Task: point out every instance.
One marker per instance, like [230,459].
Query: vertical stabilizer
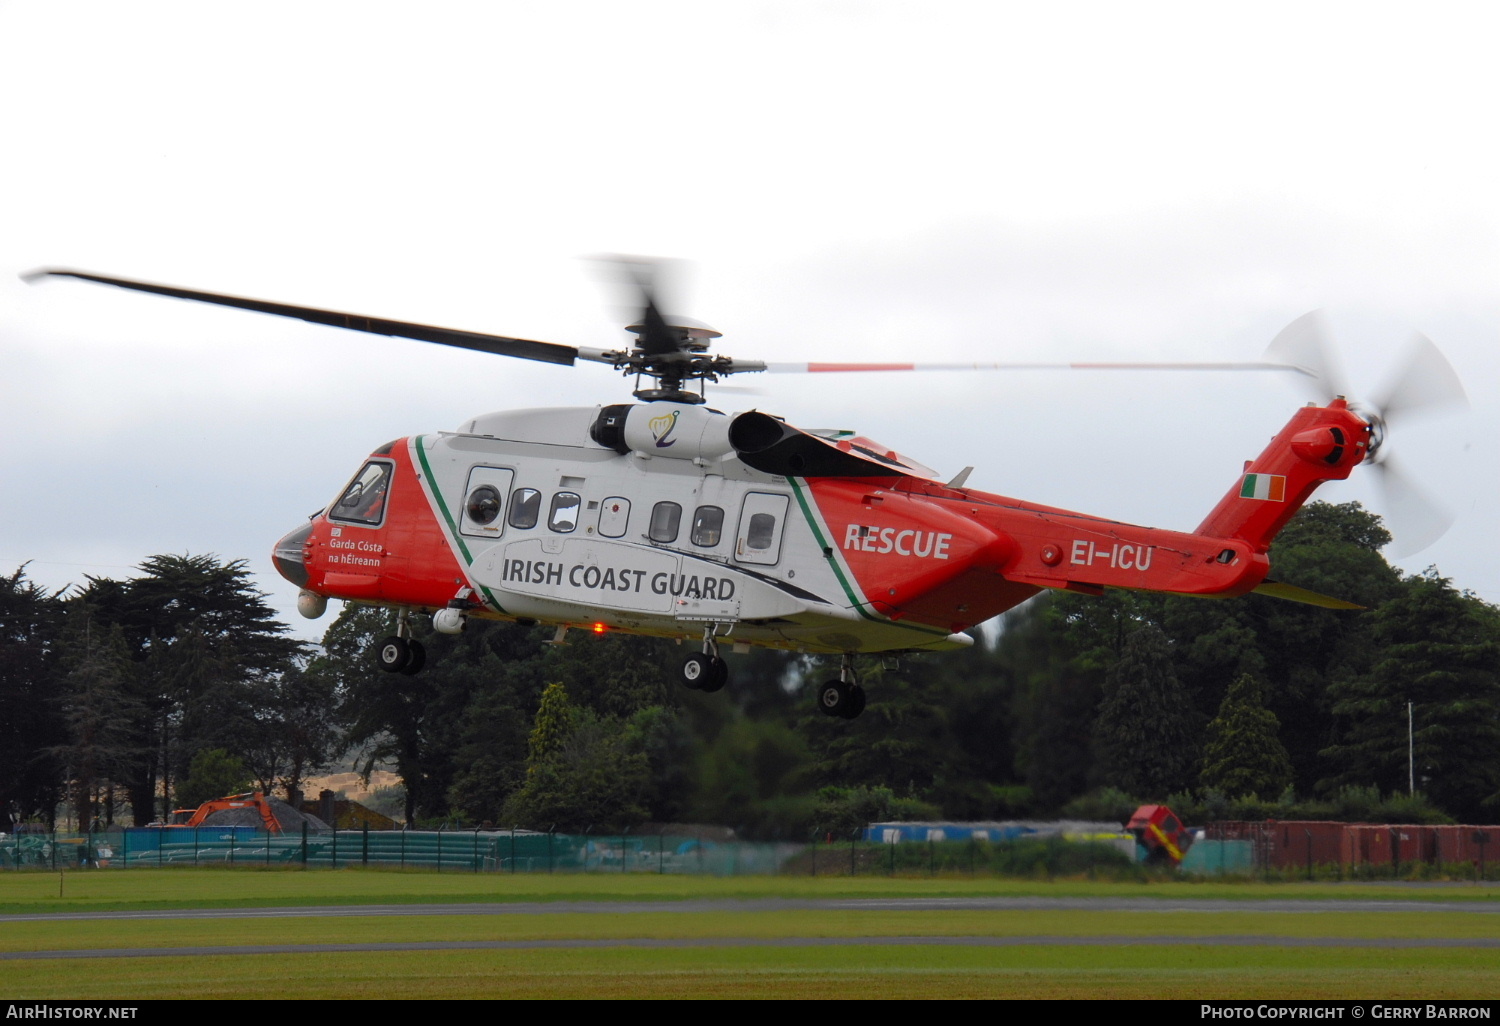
[1319,443]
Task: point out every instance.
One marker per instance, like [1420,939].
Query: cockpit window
[363,502]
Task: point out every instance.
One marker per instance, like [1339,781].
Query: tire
[416,658]
[697,671]
[833,698]
[718,675]
[392,654]
[856,702]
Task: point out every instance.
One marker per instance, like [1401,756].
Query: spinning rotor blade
[823,368]
[498,345]
[1422,520]
[1424,381]
[1304,344]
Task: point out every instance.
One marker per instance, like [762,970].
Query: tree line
[1079,705]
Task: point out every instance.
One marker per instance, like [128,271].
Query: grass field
[739,951]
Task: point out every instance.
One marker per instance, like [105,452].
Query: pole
[1411,764]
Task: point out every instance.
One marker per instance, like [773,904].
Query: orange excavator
[249,800]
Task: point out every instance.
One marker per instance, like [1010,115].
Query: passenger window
[762,531]
[666,517]
[614,513]
[525,507]
[363,502]
[708,526]
[563,516]
[762,520]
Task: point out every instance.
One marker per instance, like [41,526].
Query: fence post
[364,844]
[335,845]
[815,854]
[512,847]
[476,849]
[403,845]
[304,844]
[232,833]
[1308,832]
[549,848]
[623,859]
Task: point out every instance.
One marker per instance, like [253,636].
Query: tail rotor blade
[1425,381]
[1304,344]
[1417,518]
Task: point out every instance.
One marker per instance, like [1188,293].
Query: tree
[1148,731]
[213,773]
[98,711]
[582,770]
[1242,754]
[208,652]
[1436,648]
[30,721]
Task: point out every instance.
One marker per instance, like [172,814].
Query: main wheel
[834,698]
[718,675]
[393,654]
[856,702]
[416,658]
[698,672]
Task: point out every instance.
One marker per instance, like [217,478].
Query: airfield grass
[1262,969]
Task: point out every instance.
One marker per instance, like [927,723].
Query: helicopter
[666,517]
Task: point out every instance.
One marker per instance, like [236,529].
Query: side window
[666,517]
[363,502]
[563,517]
[762,521]
[525,507]
[613,516]
[484,501]
[762,531]
[708,526]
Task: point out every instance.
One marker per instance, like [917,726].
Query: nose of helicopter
[287,555]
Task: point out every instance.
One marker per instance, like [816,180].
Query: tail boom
[1319,443]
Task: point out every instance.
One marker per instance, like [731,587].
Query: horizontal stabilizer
[1292,593]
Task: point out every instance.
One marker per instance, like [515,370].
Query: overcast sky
[844,180]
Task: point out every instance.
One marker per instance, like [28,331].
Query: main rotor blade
[498,345]
[822,368]
[1425,380]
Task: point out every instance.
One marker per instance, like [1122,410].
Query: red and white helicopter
[666,517]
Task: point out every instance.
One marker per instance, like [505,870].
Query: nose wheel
[399,653]
[844,697]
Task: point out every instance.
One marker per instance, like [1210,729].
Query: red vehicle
[1161,833]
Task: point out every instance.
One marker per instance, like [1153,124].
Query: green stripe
[831,556]
[838,571]
[442,505]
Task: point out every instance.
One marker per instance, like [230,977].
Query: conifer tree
[1147,731]
[1242,754]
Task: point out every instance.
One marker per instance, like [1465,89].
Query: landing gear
[844,697]
[705,671]
[393,654]
[400,653]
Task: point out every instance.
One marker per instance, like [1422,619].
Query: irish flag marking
[1264,486]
